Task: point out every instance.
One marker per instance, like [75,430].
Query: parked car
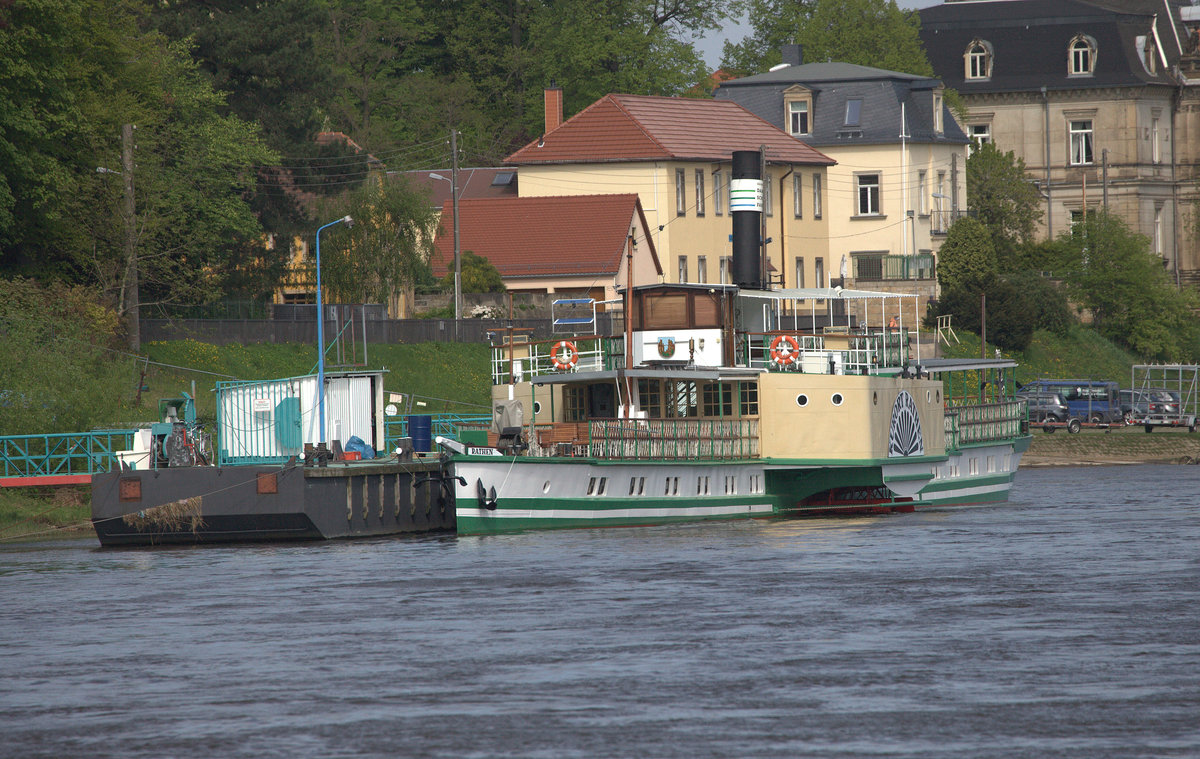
[1045,407]
[1091,401]
[1140,403]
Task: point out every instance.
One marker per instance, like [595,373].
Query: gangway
[69,458]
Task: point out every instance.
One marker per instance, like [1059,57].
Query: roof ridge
[642,127]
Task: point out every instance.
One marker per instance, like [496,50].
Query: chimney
[745,206]
[554,110]
[793,55]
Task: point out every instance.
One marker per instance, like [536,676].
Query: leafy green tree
[1003,200]
[1109,271]
[967,259]
[479,275]
[874,33]
[385,251]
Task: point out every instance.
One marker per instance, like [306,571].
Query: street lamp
[321,330]
[457,252]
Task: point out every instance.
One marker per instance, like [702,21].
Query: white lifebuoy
[564,355]
[784,354]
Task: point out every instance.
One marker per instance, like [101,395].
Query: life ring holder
[783,357]
[564,355]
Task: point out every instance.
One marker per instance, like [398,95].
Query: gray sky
[711,46]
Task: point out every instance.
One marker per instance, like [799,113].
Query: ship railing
[984,423]
[673,439]
[520,361]
[848,352]
[41,458]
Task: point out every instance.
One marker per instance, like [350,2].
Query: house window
[702,269]
[816,196]
[680,193]
[767,209]
[868,194]
[726,263]
[718,193]
[1083,56]
[980,134]
[937,112]
[797,196]
[854,112]
[799,271]
[979,60]
[1155,155]
[939,197]
[798,118]
[699,192]
[819,266]
[1081,143]
[1158,236]
[683,269]
[922,199]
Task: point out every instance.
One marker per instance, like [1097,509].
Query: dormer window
[1082,56]
[978,60]
[798,111]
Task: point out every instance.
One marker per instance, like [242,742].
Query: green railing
[444,425]
[673,439]
[985,423]
[71,453]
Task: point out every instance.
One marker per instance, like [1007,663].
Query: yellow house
[676,155]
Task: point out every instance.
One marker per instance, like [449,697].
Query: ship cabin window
[596,400]
[637,485]
[730,484]
[691,308]
[671,486]
[703,485]
[597,485]
[717,399]
[748,392]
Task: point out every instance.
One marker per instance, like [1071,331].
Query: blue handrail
[69,453]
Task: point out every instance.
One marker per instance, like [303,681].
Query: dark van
[1094,401]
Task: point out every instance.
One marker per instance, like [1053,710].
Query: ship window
[802,400]
[928,396]
[591,486]
[674,486]
[938,395]
[650,397]
[632,483]
[603,486]
[874,399]
[537,407]
[718,399]
[546,486]
[749,398]
[837,399]
[641,485]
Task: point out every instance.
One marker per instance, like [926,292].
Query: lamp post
[453,180]
[321,330]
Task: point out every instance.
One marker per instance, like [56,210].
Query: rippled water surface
[1061,624]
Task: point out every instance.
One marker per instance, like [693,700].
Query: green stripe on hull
[516,515]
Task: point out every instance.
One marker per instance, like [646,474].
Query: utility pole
[457,249]
[132,303]
[1104,175]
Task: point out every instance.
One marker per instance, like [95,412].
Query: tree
[479,275]
[1109,270]
[1003,200]
[875,33]
[967,259]
[386,249]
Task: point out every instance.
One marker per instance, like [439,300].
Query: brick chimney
[554,107]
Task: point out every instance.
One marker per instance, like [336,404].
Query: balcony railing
[985,423]
[673,439]
[885,267]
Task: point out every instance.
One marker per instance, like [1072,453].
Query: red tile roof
[472,183]
[568,236]
[649,128]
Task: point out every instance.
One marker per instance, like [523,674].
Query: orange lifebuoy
[564,355]
[784,355]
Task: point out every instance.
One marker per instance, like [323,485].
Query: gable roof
[650,128]
[1030,38]
[574,235]
[881,92]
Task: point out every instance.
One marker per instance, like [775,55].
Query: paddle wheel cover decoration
[904,438]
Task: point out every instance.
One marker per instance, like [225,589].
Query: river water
[1063,623]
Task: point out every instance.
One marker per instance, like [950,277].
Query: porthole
[938,395]
[928,395]
[546,487]
[874,399]
[802,400]
[537,407]
[837,399]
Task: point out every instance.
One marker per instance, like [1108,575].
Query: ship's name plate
[473,451]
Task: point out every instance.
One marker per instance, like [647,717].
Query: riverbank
[1130,445]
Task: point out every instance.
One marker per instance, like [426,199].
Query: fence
[379,331]
[46,459]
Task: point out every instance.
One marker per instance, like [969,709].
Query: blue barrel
[420,429]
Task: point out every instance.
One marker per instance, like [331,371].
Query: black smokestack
[745,205]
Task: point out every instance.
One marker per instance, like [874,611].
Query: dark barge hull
[189,505]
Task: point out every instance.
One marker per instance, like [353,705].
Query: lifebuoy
[784,355]
[564,355]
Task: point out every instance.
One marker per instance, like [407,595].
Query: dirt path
[1131,445]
